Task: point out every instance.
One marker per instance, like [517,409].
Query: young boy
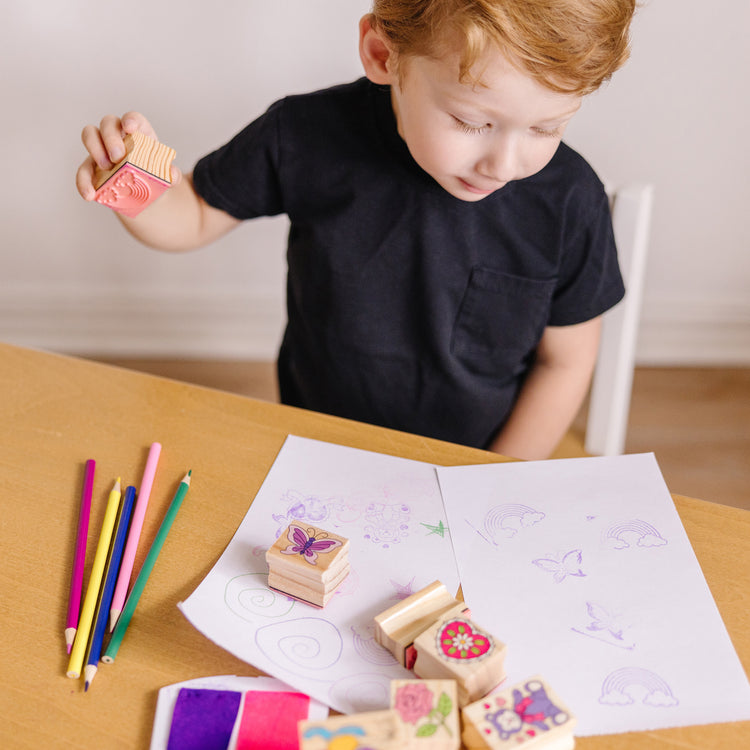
[448,257]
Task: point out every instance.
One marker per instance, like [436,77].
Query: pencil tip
[70,636]
[86,687]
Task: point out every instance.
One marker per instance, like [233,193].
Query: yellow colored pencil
[75,665]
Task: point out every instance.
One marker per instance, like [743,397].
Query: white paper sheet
[168,697]
[583,568]
[391,511]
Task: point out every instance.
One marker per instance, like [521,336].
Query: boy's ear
[376,54]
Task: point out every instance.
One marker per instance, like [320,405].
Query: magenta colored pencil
[79,562]
[134,535]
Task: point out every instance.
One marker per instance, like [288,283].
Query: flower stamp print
[413,701]
[417,704]
[461,640]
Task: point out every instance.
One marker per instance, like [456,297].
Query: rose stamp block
[428,710]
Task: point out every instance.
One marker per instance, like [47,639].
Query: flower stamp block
[527,715]
[456,648]
[428,710]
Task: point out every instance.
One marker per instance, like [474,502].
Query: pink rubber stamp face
[130,190]
[138,179]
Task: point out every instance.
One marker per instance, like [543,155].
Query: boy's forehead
[494,82]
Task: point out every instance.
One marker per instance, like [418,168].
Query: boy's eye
[547,132]
[465,127]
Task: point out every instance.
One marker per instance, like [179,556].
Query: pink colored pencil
[134,535]
[79,562]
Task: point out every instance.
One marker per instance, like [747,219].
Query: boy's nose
[500,163]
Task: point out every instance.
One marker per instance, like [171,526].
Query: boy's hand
[106,147]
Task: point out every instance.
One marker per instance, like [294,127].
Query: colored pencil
[75,664]
[79,562]
[134,535]
[148,565]
[94,651]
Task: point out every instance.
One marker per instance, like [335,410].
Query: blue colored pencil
[110,579]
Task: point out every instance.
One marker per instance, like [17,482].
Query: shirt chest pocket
[500,321]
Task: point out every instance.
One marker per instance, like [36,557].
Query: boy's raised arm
[180,219]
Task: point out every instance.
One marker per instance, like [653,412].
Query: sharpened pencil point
[89,672]
[70,636]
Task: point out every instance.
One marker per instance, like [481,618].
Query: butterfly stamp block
[308,563]
[398,626]
[456,648]
[527,715]
[428,710]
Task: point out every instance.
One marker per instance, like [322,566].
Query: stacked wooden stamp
[138,179]
[308,563]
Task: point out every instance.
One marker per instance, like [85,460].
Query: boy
[449,259]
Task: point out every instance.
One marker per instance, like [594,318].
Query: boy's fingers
[92,140]
[85,179]
[135,121]
[176,175]
[111,134]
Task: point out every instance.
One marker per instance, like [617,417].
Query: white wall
[72,280]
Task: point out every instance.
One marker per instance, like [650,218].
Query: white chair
[609,403]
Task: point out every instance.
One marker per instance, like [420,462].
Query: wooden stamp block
[457,648]
[527,715]
[397,627]
[308,563]
[376,730]
[428,710]
[138,179]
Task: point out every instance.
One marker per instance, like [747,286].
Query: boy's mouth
[478,190]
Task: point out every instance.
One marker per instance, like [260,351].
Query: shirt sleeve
[590,282]
[242,177]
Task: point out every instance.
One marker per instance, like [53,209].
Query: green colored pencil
[148,565]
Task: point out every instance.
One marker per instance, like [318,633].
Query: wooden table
[56,412]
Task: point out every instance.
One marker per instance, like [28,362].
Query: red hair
[569,46]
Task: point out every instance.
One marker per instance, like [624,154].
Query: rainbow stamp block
[428,710]
[308,563]
[137,180]
[527,715]
[456,648]
[375,730]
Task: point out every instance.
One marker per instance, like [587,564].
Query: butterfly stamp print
[305,542]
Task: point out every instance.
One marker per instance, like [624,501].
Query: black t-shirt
[407,307]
